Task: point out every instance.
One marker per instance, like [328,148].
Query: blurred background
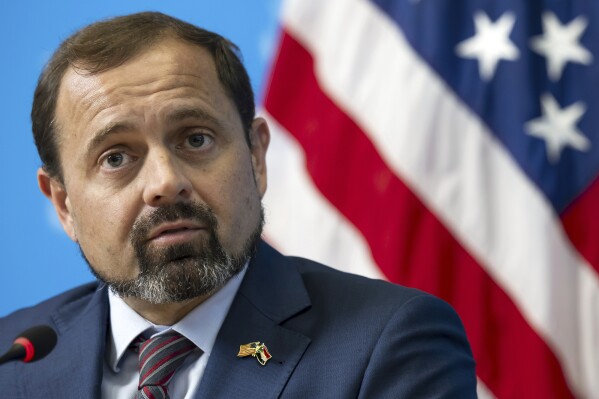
[451,146]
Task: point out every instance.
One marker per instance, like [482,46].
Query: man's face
[161,190]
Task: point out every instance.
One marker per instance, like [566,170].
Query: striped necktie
[159,358]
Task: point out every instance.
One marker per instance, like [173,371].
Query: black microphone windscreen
[43,338]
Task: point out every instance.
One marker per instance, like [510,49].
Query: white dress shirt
[201,326]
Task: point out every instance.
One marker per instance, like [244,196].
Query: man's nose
[165,180]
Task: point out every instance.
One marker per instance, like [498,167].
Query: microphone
[31,345]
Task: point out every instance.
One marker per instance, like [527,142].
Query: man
[155,164]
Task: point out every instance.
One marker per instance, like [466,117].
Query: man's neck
[165,314]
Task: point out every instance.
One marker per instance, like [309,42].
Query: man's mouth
[175,232]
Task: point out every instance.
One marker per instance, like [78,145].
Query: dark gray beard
[185,271]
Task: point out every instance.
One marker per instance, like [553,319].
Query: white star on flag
[557,127]
[490,43]
[560,44]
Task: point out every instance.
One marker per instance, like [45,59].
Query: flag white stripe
[292,202]
[482,391]
[436,145]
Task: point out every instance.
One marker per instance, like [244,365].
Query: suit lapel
[272,292]
[74,368]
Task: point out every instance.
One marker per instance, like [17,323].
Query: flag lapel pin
[255,349]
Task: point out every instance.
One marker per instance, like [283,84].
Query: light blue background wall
[37,260]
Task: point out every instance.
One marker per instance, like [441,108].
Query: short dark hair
[107,44]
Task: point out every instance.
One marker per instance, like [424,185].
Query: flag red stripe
[512,359]
[581,222]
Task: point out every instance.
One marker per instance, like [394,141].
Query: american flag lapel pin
[255,349]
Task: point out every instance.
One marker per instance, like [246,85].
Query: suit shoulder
[400,341]
[41,313]
[347,286]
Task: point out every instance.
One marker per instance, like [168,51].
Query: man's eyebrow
[105,132]
[195,113]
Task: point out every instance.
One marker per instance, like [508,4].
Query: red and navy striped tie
[159,358]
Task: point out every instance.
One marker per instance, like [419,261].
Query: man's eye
[198,140]
[116,160]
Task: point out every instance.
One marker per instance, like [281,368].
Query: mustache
[193,211]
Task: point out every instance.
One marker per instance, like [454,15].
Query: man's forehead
[166,55]
[166,64]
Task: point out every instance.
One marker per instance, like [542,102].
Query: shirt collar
[200,326]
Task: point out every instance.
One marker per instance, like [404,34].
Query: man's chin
[181,272]
[176,280]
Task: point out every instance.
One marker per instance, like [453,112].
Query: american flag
[451,146]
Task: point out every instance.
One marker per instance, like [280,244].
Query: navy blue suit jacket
[331,335]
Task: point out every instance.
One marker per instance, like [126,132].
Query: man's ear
[259,139]
[55,191]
